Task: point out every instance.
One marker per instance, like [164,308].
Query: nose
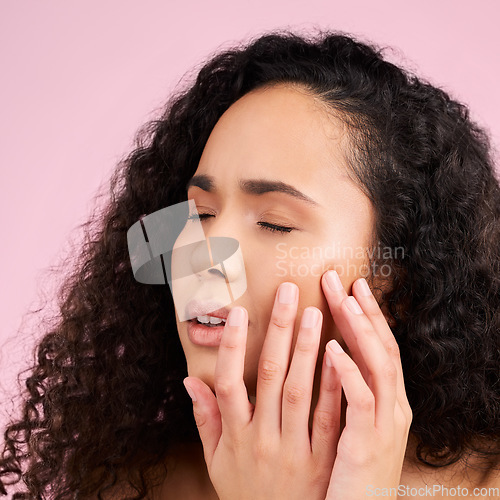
[219,254]
[207,265]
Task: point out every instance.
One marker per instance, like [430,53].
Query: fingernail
[334,346]
[333,281]
[364,289]
[286,294]
[353,305]
[190,391]
[310,318]
[236,317]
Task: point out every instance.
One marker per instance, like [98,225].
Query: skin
[279,134]
[298,418]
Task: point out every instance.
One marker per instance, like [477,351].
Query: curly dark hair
[105,394]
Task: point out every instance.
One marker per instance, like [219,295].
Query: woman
[293,147]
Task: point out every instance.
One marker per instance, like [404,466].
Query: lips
[203,334]
[206,308]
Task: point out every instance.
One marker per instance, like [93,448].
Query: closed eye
[264,225]
[273,227]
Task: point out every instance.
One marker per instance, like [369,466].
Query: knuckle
[223,387]
[389,373]
[367,331]
[364,403]
[294,395]
[402,420]
[200,418]
[305,347]
[269,370]
[374,310]
[323,423]
[280,322]
[392,348]
[228,344]
[332,386]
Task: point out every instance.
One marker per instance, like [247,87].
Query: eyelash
[267,226]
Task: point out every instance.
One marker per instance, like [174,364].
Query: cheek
[303,266]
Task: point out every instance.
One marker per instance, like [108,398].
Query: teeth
[210,319]
[215,321]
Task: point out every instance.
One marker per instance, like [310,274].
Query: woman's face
[279,135]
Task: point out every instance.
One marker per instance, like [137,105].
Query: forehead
[281,132]
[285,134]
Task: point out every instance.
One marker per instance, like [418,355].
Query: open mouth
[209,321]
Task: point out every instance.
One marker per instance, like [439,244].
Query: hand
[372,445]
[266,451]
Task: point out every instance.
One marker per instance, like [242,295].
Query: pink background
[79,78]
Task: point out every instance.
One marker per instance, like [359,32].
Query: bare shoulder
[456,480]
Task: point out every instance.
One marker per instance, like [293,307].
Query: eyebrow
[253,186]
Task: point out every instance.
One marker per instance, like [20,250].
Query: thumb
[206,414]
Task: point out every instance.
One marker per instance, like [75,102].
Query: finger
[297,390]
[382,374]
[326,419]
[365,347]
[274,360]
[372,310]
[360,415]
[229,386]
[206,414]
[335,294]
